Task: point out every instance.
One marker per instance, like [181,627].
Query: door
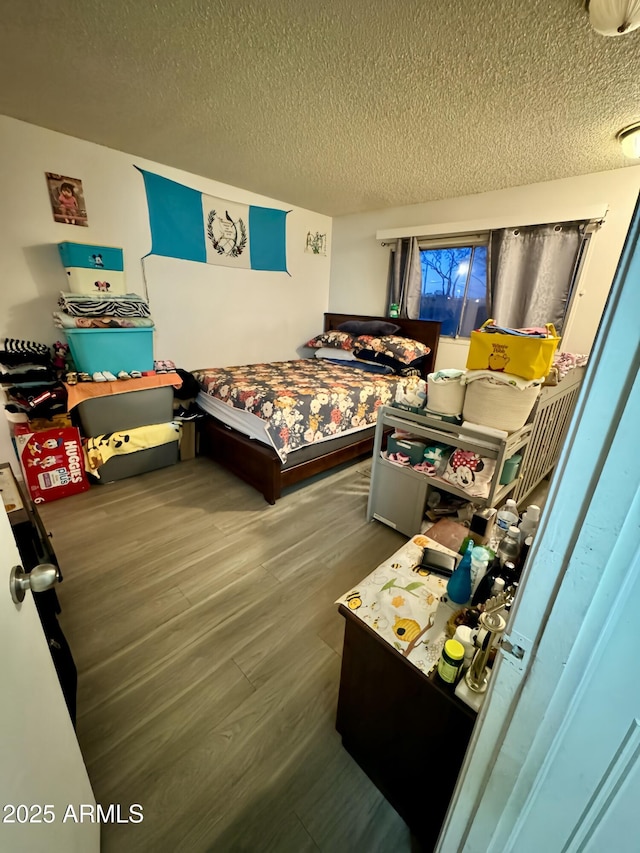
[41,768]
[554,762]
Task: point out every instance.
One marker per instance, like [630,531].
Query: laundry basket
[500,406]
[445,394]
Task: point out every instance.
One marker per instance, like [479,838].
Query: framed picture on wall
[316,243]
[67,199]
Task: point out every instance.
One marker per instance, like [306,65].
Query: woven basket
[498,406]
[446,398]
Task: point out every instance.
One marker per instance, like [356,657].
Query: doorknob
[38,579]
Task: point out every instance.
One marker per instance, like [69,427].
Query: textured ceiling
[339,106]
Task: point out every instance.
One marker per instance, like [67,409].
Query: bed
[247,453]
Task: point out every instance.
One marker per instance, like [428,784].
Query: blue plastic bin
[91,257]
[95,350]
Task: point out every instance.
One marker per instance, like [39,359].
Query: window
[521,275]
[454,285]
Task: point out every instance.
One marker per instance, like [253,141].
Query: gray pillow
[369,327]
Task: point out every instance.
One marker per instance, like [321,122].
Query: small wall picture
[316,243]
[67,199]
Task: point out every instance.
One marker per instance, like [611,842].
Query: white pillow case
[335,354]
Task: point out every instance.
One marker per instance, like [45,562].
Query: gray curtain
[405,278]
[532,271]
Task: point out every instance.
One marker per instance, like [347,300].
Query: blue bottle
[459,585]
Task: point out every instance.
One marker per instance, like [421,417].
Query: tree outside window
[454,286]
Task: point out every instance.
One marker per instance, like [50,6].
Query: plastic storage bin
[510,469]
[90,256]
[94,350]
[101,282]
[408,447]
[128,410]
[398,496]
[141,462]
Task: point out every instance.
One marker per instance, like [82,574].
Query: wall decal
[316,243]
[67,199]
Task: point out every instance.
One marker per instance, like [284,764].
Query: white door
[41,767]
[554,762]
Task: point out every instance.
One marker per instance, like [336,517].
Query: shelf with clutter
[400,626]
[464,461]
[481,435]
[101,392]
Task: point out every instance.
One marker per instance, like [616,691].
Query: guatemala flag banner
[195,227]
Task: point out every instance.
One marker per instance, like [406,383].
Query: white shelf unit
[398,494]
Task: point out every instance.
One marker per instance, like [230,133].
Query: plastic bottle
[498,586]
[510,573]
[509,547]
[466,635]
[506,517]
[530,521]
[451,660]
[483,590]
[459,584]
[479,565]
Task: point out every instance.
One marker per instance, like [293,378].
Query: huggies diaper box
[52,463]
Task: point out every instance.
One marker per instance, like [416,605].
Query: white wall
[205,315]
[359,264]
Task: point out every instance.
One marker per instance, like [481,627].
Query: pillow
[405,350]
[335,354]
[470,472]
[414,368]
[369,327]
[334,338]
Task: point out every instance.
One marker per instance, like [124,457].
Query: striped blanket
[81,305]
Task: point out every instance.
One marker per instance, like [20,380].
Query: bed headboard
[425,331]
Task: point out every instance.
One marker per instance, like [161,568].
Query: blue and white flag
[195,227]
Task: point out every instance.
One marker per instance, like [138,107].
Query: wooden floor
[203,625]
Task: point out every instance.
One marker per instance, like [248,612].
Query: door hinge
[515,648]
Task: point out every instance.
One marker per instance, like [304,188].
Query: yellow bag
[530,358]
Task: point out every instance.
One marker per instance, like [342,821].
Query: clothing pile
[29,381]
[564,363]
[92,311]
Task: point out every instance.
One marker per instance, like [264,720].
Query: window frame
[458,241]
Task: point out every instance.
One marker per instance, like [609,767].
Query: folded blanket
[64,321]
[84,297]
[100,449]
[566,361]
[127,305]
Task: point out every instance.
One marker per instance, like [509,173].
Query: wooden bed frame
[261,467]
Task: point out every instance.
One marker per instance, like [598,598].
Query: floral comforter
[305,400]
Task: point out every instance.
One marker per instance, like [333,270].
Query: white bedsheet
[249,424]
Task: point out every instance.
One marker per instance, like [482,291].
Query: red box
[52,463]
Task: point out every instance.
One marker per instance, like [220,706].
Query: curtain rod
[593,213]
